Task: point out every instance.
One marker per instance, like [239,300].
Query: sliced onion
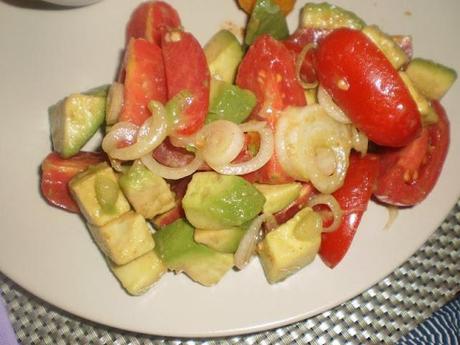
[262,157]
[298,66]
[359,140]
[114,103]
[393,212]
[248,243]
[151,134]
[331,108]
[169,172]
[331,202]
[220,142]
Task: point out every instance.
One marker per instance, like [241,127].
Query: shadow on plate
[35,5]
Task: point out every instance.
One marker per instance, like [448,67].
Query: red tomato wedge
[187,70]
[367,88]
[268,70]
[353,198]
[409,174]
[151,20]
[144,80]
[57,172]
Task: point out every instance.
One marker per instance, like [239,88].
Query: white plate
[46,55]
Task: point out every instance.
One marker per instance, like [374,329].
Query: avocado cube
[291,246]
[214,201]
[83,190]
[222,240]
[125,238]
[148,193]
[74,120]
[326,16]
[140,274]
[223,53]
[180,253]
[278,196]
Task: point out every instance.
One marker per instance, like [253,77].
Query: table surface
[380,315]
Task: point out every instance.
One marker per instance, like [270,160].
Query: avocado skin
[215,201]
[175,246]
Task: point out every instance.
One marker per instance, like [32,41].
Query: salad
[272,146]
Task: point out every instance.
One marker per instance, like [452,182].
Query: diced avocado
[148,193]
[278,196]
[432,79]
[222,240]
[387,45]
[427,113]
[223,53]
[229,102]
[180,253]
[140,274]
[74,120]
[266,18]
[124,238]
[291,246]
[327,16]
[215,201]
[83,190]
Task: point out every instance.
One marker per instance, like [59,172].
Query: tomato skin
[268,70]
[353,197]
[187,69]
[144,80]
[424,157]
[151,20]
[367,88]
[57,172]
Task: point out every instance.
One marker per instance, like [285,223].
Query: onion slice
[114,103]
[331,202]
[298,66]
[151,134]
[262,157]
[248,243]
[169,172]
[330,107]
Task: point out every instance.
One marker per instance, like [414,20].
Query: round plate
[48,54]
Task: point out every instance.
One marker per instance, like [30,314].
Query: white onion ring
[248,243]
[331,108]
[298,66]
[151,134]
[359,140]
[169,172]
[331,202]
[115,99]
[262,157]
[220,142]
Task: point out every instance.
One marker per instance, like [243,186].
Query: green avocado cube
[83,189]
[180,253]
[140,274]
[326,16]
[229,102]
[291,246]
[278,196]
[222,240]
[148,193]
[223,53]
[124,238]
[214,201]
[74,120]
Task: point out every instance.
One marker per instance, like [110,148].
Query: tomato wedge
[144,80]
[57,172]
[353,198]
[268,70]
[187,70]
[151,20]
[409,174]
[367,88]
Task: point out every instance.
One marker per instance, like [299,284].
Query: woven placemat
[381,315]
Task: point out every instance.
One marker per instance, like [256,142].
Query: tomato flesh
[57,172]
[367,88]
[144,80]
[353,198]
[409,174]
[187,70]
